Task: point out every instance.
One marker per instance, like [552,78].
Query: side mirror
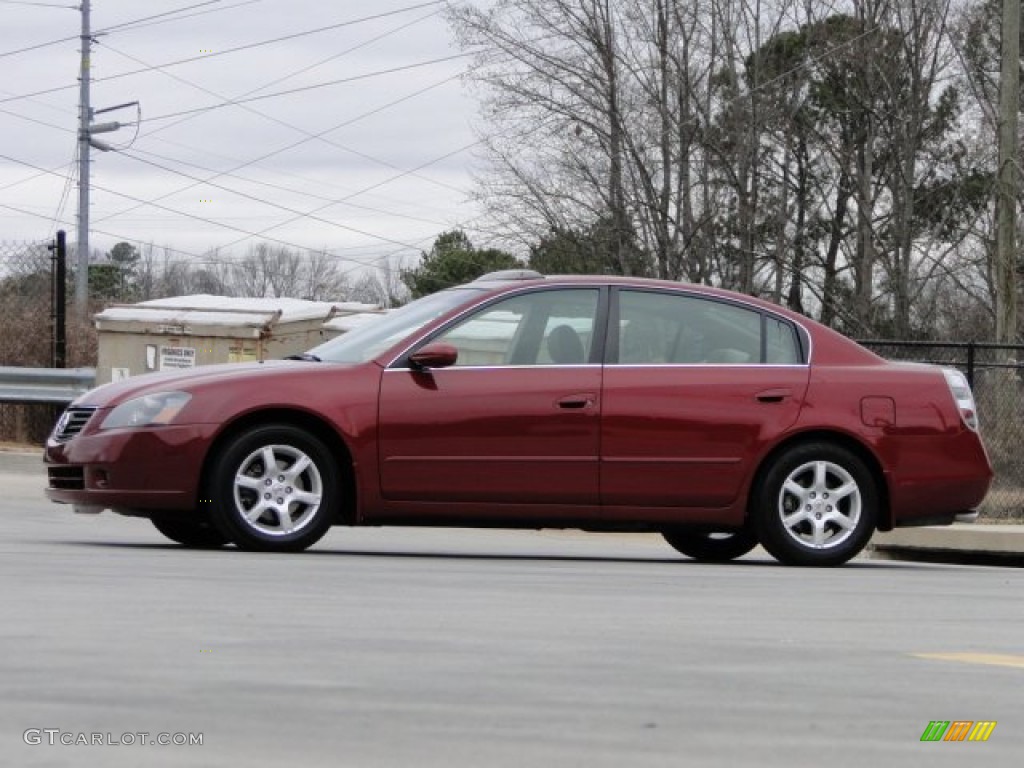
[434,355]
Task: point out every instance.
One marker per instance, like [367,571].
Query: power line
[247,233]
[33,177]
[62,109]
[38,4]
[157,16]
[300,215]
[191,254]
[278,206]
[70,176]
[131,26]
[271,228]
[134,155]
[251,197]
[35,121]
[293,35]
[115,235]
[37,46]
[333,57]
[314,86]
[373,262]
[236,49]
[69,182]
[234,100]
[288,147]
[273,171]
[209,180]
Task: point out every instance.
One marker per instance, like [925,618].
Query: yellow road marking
[992,659]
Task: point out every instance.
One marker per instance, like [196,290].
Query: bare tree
[554,80]
[180,277]
[277,271]
[790,148]
[322,278]
[916,130]
[251,276]
[381,284]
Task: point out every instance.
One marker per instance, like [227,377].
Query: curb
[965,544]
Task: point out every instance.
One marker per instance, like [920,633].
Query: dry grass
[9,447]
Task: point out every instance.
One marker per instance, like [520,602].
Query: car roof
[500,281]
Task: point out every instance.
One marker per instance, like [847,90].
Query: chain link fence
[28,331]
[26,289]
[26,339]
[996,374]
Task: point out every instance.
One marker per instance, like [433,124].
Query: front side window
[548,327]
[666,328]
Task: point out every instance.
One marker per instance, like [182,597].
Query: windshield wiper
[305,356]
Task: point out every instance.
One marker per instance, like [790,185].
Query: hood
[147,383]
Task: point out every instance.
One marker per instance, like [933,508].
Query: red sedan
[601,403]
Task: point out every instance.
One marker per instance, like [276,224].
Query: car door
[694,388]
[515,421]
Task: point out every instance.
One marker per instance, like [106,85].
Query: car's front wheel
[711,546]
[816,505]
[274,488]
[197,534]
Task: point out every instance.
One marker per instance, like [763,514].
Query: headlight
[148,410]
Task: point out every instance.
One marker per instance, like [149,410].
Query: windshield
[367,341]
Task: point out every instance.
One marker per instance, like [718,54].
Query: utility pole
[84,118]
[1006,201]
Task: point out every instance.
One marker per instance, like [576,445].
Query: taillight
[963,396]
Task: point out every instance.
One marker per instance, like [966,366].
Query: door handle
[576,402]
[773,395]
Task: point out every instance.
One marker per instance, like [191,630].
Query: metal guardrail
[56,386]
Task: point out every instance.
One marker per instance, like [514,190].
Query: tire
[286,509]
[816,504]
[711,547]
[196,534]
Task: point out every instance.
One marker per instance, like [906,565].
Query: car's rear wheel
[711,546]
[197,534]
[816,505]
[274,488]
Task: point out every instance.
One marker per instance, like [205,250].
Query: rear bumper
[938,480]
[938,501]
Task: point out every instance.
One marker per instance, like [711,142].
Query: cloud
[377,148]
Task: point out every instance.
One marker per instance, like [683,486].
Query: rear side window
[781,344]
[674,328]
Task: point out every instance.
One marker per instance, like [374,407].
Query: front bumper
[150,468]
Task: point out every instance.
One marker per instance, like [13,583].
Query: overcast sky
[389,171]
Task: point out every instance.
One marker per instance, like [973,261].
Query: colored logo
[958,730]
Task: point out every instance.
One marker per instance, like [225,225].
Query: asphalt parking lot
[405,647]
